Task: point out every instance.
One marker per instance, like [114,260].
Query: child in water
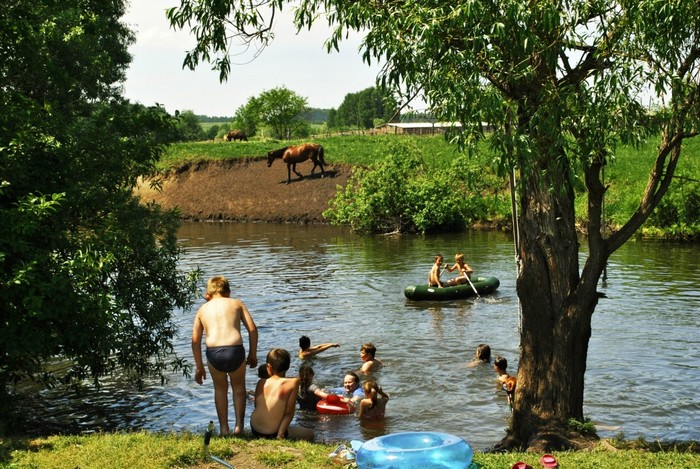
[307,351]
[483,355]
[374,403]
[371,363]
[309,393]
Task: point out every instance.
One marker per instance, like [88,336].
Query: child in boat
[434,275]
[483,355]
[465,272]
[367,352]
[374,403]
[307,351]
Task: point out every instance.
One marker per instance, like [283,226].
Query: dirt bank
[246,190]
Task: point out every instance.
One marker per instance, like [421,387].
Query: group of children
[369,399]
[276,395]
[500,364]
[465,272]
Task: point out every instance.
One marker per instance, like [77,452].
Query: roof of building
[425,125]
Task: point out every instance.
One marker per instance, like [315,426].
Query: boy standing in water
[219,319]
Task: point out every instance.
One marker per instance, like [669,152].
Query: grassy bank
[154,450]
[678,217]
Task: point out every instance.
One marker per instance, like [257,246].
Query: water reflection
[333,286]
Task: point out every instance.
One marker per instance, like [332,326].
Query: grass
[626,174]
[156,450]
[207,125]
[348,149]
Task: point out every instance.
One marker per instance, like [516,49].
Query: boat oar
[207,437]
[471,284]
[443,271]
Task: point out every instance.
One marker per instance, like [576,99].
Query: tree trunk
[557,306]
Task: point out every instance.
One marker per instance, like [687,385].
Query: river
[324,282]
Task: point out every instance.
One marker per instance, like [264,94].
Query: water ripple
[336,287]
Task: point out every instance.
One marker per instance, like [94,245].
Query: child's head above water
[501,363]
[483,352]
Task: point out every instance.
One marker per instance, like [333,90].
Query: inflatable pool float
[483,285]
[333,405]
[415,450]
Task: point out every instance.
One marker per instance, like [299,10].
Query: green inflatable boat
[484,285]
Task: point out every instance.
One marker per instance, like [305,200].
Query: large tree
[363,108]
[561,83]
[88,274]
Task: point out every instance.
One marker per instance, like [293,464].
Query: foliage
[585,427]
[88,275]
[361,109]
[400,194]
[560,83]
[247,117]
[281,110]
[211,131]
[626,175]
[188,127]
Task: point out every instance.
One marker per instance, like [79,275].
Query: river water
[324,282]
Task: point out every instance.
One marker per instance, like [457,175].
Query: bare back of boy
[220,321]
[275,401]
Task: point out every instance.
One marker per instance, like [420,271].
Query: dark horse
[234,135]
[297,154]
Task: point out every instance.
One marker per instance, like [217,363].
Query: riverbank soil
[246,190]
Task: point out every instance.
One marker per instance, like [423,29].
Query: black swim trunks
[227,358]
[266,435]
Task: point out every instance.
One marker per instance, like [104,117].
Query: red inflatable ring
[333,405]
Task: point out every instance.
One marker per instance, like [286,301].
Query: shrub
[399,194]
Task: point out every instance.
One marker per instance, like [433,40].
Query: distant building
[418,128]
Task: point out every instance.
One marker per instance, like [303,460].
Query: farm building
[417,128]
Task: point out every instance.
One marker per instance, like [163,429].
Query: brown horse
[234,135]
[297,154]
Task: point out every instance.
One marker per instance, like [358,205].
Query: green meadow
[626,173]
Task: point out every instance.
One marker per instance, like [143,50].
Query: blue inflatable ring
[415,450]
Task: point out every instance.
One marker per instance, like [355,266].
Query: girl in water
[374,403]
[309,394]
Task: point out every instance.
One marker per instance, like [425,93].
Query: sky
[298,62]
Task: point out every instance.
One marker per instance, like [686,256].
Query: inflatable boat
[483,285]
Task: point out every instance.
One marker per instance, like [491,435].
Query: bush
[399,194]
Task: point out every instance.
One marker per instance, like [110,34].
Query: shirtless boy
[275,401]
[465,272]
[371,363]
[307,351]
[219,319]
[434,275]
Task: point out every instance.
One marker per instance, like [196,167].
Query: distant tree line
[283,114]
[365,110]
